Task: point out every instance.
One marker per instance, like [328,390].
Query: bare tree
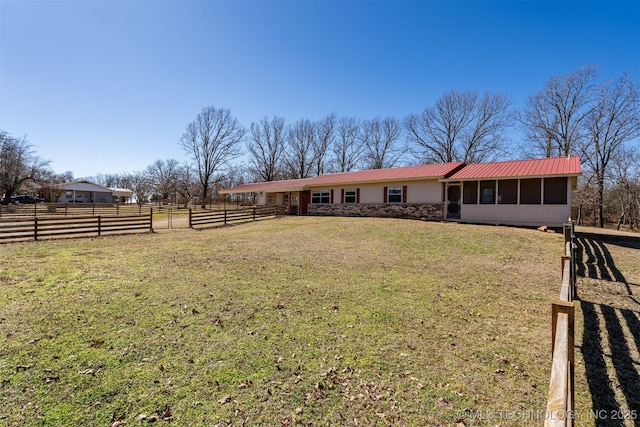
[140,184]
[18,164]
[461,127]
[164,178]
[347,147]
[49,188]
[380,141]
[212,140]
[325,136]
[299,156]
[554,116]
[186,184]
[266,146]
[613,120]
[626,189]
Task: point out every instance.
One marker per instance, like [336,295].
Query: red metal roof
[553,166]
[390,174]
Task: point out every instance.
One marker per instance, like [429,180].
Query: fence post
[225,217]
[567,308]
[254,213]
[566,229]
[117,209]
[99,225]
[151,220]
[190,224]
[35,228]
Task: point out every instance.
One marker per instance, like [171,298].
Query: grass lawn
[293,321]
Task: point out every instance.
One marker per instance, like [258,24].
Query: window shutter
[342,196]
[357,195]
[384,197]
[404,194]
[331,197]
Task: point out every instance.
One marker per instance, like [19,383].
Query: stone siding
[431,212]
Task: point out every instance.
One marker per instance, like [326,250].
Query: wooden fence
[71,209]
[205,219]
[38,228]
[560,400]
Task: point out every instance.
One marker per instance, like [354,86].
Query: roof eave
[477,178]
[376,181]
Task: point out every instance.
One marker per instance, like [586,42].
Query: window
[555,191]
[350,196]
[508,192]
[69,195]
[487,192]
[321,197]
[530,191]
[470,192]
[394,195]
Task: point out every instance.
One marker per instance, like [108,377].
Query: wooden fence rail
[95,209]
[70,209]
[38,228]
[560,400]
[226,217]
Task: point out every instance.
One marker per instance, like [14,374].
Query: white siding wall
[424,192]
[417,192]
[533,215]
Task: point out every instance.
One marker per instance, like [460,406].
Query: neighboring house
[121,195]
[521,192]
[88,192]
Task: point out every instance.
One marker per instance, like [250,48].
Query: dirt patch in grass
[307,321]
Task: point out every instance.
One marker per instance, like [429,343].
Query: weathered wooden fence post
[99,225]
[254,213]
[225,217]
[190,224]
[35,228]
[151,220]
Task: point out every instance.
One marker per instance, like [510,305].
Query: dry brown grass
[307,321]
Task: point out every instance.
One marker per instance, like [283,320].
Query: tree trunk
[579,214]
[620,221]
[600,201]
[205,191]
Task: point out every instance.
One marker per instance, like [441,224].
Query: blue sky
[109,86]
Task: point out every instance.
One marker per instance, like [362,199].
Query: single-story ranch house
[519,192]
[88,192]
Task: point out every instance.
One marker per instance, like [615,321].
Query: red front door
[305,198]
